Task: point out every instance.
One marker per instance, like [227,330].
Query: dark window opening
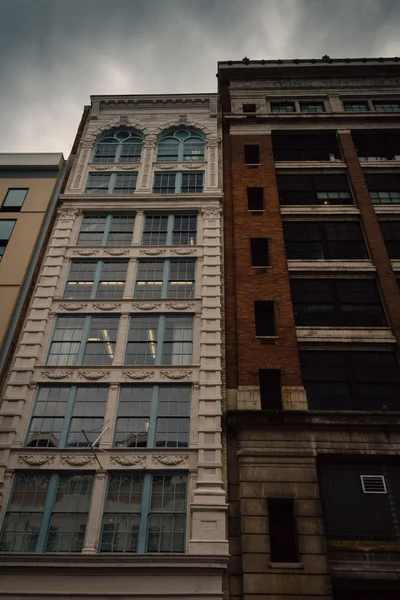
[283,107]
[265,318]
[356,106]
[310,147]
[252,154]
[391,235]
[14,199]
[377,146]
[393,106]
[282,530]
[255,198]
[314,189]
[312,107]
[384,189]
[260,252]
[249,108]
[270,389]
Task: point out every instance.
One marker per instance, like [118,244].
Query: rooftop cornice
[155,98]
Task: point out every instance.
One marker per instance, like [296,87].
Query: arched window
[181,145]
[118,146]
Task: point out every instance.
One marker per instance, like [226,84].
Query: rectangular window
[153,416]
[392,106]
[96,279]
[255,198]
[14,199]
[324,240]
[265,318]
[337,303]
[160,340]
[282,530]
[260,252]
[106,230]
[351,380]
[83,341]
[314,189]
[6,228]
[145,513]
[111,183]
[249,108]
[172,278]
[391,235]
[167,230]
[283,107]
[270,389]
[47,513]
[377,146]
[356,106]
[292,146]
[178,183]
[252,154]
[312,107]
[62,412]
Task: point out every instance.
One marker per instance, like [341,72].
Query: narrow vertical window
[282,530]
[265,318]
[252,154]
[260,252]
[270,389]
[255,198]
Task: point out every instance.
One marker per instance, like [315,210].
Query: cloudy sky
[55,53]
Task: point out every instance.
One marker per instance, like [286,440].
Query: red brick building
[312,248]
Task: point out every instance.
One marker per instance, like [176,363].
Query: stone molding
[176,374]
[35,460]
[73,307]
[56,374]
[93,375]
[85,252]
[129,461]
[138,375]
[77,461]
[170,460]
[107,305]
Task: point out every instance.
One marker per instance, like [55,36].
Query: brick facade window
[252,154]
[264,311]
[260,252]
[314,189]
[391,235]
[377,146]
[255,198]
[310,147]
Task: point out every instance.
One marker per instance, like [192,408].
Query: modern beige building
[29,184]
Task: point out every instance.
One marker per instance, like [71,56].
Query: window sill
[257,212]
[253,164]
[261,269]
[275,565]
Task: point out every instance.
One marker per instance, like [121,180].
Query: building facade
[311,256]
[110,424]
[29,185]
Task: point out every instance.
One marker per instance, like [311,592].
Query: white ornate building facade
[110,433]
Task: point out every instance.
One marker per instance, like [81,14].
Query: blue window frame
[84,340]
[153,416]
[6,229]
[165,230]
[145,513]
[96,279]
[47,513]
[160,340]
[118,146]
[111,183]
[62,412]
[106,230]
[180,146]
[171,278]
[14,199]
[178,183]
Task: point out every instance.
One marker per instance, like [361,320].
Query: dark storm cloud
[55,53]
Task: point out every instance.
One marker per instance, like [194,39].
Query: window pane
[133,418]
[125,183]
[149,280]
[173,417]
[164,183]
[155,230]
[142,341]
[14,199]
[181,279]
[193,149]
[88,414]
[100,346]
[92,230]
[130,152]
[167,519]
[184,232]
[192,183]
[168,150]
[112,279]
[98,183]
[66,341]
[105,152]
[178,341]
[80,279]
[48,417]
[6,227]
[121,230]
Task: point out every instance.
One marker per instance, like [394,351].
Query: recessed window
[255,198]
[6,229]
[14,200]
[377,146]
[249,108]
[169,229]
[384,189]
[323,190]
[270,389]
[292,146]
[96,279]
[387,106]
[312,107]
[178,183]
[252,154]
[283,107]
[181,145]
[259,252]
[171,278]
[391,235]
[356,106]
[106,230]
[111,183]
[264,311]
[282,530]
[118,146]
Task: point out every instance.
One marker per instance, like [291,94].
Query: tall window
[314,189]
[83,341]
[47,513]
[153,416]
[383,145]
[178,183]
[96,279]
[180,146]
[145,513]
[165,230]
[106,230]
[391,235]
[62,413]
[160,340]
[111,183]
[324,240]
[14,199]
[6,228]
[337,302]
[384,189]
[120,146]
[165,278]
[312,146]
[351,380]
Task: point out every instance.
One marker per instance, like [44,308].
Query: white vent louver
[373,484]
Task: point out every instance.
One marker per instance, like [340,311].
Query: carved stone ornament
[183,251]
[137,374]
[101,167]
[326,82]
[35,461]
[211,213]
[106,305]
[66,214]
[175,374]
[77,461]
[167,166]
[86,252]
[93,375]
[180,305]
[73,307]
[170,460]
[192,167]
[153,251]
[116,252]
[57,374]
[129,461]
[146,306]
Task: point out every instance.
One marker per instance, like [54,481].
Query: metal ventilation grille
[373,484]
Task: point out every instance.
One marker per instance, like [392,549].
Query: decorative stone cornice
[116,252]
[66,214]
[183,251]
[211,213]
[179,305]
[86,252]
[77,461]
[56,374]
[107,305]
[175,374]
[146,306]
[34,460]
[129,461]
[138,374]
[170,460]
[93,375]
[73,307]
[153,251]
